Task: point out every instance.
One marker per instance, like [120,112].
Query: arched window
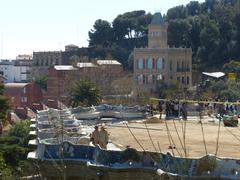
[149,63]
[140,64]
[159,63]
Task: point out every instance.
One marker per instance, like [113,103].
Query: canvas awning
[214,74]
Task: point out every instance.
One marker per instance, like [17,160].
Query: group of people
[99,137]
[172,109]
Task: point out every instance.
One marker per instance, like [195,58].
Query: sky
[48,25]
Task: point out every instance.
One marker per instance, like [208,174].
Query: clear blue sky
[46,25]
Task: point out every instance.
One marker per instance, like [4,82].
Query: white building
[14,71]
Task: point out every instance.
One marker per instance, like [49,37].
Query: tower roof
[157,19]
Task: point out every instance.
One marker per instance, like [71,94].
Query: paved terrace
[170,133]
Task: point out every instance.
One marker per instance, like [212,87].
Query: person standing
[160,109]
[94,137]
[184,111]
[103,138]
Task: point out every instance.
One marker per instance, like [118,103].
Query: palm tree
[84,93]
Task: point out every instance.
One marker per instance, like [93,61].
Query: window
[183,66]
[140,79]
[149,79]
[159,77]
[187,80]
[170,66]
[153,79]
[159,63]
[149,63]
[183,80]
[140,64]
[178,68]
[144,79]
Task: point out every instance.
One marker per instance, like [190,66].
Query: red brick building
[57,84]
[23,96]
[61,78]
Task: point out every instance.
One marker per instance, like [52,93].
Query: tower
[157,32]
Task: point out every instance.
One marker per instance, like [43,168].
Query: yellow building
[159,63]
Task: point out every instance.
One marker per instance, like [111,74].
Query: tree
[178,33]
[193,8]
[41,81]
[232,67]
[178,12]
[84,93]
[227,90]
[131,25]
[102,34]
[4,108]
[14,149]
[209,39]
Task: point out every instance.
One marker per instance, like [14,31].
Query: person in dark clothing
[160,109]
[184,111]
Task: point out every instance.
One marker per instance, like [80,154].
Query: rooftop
[64,67]
[85,64]
[108,62]
[15,85]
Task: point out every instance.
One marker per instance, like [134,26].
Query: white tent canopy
[214,74]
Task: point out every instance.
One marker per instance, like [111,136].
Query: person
[151,109]
[94,137]
[184,111]
[103,138]
[160,109]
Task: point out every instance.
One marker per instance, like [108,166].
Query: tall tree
[84,93]
[101,34]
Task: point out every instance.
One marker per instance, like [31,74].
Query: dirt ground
[228,145]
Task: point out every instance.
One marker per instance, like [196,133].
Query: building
[62,77]
[23,96]
[15,70]
[44,60]
[58,82]
[111,67]
[158,63]
[2,79]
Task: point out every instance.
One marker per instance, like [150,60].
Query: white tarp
[214,74]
